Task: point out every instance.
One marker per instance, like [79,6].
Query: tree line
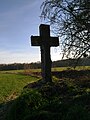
[37,65]
[71,62]
[20,66]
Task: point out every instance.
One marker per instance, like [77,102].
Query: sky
[19,19]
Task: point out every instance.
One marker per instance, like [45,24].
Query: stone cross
[45,42]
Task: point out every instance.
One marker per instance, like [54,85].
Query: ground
[68,95]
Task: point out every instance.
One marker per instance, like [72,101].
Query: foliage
[70,21]
[49,103]
[27,103]
[76,112]
[71,62]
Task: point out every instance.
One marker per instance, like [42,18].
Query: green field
[53,69]
[71,68]
[12,84]
[13,81]
[69,96]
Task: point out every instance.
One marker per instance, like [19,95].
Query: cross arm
[35,41]
[54,41]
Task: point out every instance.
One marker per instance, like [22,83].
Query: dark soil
[80,77]
[74,74]
[68,74]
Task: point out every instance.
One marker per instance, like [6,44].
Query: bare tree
[70,20]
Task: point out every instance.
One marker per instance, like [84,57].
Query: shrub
[29,101]
[47,103]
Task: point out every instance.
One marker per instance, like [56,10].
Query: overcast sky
[19,19]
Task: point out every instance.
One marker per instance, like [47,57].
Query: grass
[62,100]
[21,71]
[13,81]
[11,85]
[71,68]
[57,101]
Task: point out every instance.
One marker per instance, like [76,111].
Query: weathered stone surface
[45,42]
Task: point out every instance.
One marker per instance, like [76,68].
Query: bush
[27,103]
[46,103]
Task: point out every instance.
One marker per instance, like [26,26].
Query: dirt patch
[67,74]
[74,74]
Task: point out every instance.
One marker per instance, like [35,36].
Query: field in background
[53,69]
[71,68]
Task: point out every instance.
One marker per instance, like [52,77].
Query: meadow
[11,84]
[13,81]
[70,96]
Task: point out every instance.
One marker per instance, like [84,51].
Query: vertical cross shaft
[45,53]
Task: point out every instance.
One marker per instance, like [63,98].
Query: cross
[45,42]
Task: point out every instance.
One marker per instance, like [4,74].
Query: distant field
[20,71]
[53,69]
[71,68]
[12,84]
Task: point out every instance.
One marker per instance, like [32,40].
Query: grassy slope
[65,99]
